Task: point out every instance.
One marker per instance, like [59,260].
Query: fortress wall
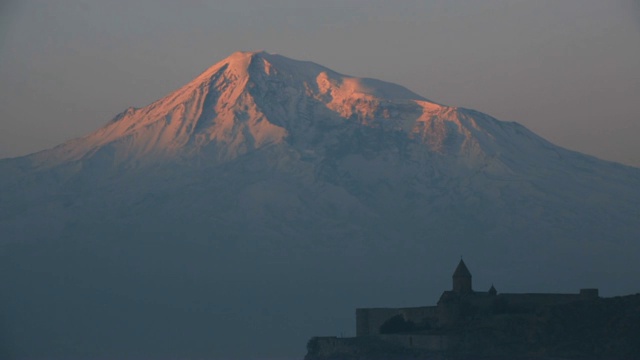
[329,347]
[482,303]
[423,342]
[529,301]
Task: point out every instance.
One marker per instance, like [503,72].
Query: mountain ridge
[234,103]
[220,92]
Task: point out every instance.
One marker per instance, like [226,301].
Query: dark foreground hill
[603,329]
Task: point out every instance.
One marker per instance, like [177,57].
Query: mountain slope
[264,200]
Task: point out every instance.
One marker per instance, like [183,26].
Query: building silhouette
[434,328]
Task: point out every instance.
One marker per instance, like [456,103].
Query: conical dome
[462,270]
[493,291]
[462,279]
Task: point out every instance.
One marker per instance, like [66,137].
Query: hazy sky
[568,70]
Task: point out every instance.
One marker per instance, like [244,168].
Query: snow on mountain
[251,100]
[264,200]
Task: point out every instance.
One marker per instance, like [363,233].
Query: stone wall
[379,346]
[363,347]
[422,342]
[529,302]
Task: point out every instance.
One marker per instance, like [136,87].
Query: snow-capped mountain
[264,200]
[252,100]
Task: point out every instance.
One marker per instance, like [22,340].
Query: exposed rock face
[286,183]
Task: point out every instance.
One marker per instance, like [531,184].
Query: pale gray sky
[566,69]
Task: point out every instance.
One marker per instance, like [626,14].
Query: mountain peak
[252,99]
[241,60]
[243,102]
[261,64]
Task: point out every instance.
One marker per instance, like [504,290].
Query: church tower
[462,279]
